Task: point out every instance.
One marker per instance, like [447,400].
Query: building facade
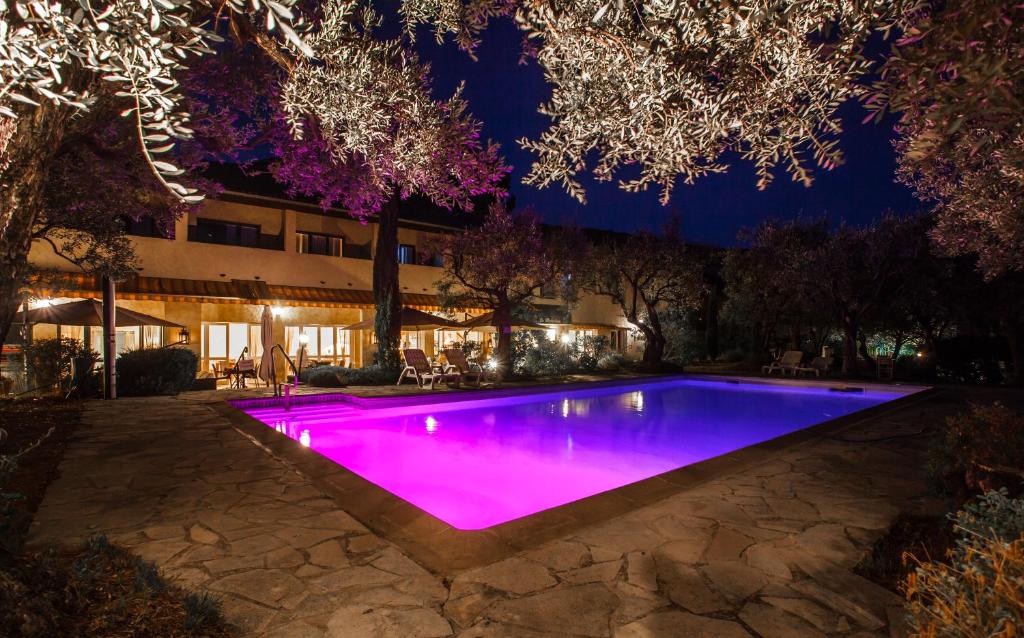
[218,269]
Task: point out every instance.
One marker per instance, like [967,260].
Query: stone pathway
[766,551]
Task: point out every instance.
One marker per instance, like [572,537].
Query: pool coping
[446,550]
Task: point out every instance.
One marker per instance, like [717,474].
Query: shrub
[50,360]
[339,377]
[978,451]
[544,358]
[100,590]
[156,371]
[978,592]
[611,362]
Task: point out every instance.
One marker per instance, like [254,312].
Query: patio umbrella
[485,323]
[412,319]
[89,312]
[267,339]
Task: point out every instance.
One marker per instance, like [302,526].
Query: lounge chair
[788,362]
[417,366]
[818,365]
[471,372]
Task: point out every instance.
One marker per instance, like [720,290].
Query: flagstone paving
[766,551]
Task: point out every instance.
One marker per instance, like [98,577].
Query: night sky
[505,95]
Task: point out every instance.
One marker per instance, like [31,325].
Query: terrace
[763,541]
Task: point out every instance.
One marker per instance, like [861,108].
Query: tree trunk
[387,322]
[654,350]
[24,163]
[862,347]
[711,324]
[503,347]
[849,344]
[1011,333]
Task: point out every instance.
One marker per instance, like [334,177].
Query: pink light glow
[479,463]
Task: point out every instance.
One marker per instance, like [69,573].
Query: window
[325,344]
[357,251]
[224,342]
[210,231]
[144,227]
[618,340]
[549,290]
[152,336]
[406,254]
[317,244]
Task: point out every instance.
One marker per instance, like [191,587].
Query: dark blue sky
[505,95]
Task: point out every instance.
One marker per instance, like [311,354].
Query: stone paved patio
[765,551]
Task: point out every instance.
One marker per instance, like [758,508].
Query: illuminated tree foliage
[644,274]
[957,80]
[501,264]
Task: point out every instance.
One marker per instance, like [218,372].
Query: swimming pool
[482,462]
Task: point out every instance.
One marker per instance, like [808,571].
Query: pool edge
[446,550]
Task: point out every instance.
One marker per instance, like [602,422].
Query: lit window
[406,254]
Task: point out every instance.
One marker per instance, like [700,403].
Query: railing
[273,368]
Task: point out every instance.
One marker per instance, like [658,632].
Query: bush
[156,371]
[339,377]
[543,358]
[979,451]
[50,360]
[611,362]
[970,359]
[100,590]
[978,592]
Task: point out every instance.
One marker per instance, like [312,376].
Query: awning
[411,318]
[234,291]
[89,312]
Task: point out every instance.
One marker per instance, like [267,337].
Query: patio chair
[418,367]
[471,372]
[245,369]
[788,362]
[818,365]
[886,365]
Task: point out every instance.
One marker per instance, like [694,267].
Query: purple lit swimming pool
[477,463]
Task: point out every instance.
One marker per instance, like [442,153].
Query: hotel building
[253,247]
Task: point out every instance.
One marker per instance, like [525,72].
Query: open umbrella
[267,339]
[485,323]
[412,319]
[89,312]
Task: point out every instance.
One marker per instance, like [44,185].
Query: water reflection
[431,423]
[633,401]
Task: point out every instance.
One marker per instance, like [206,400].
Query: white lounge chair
[470,372]
[788,362]
[418,367]
[818,365]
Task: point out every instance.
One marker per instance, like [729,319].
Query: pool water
[478,463]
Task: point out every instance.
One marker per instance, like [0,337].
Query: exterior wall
[180,258]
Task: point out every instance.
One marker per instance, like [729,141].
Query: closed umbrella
[267,338]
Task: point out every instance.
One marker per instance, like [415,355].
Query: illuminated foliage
[957,80]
